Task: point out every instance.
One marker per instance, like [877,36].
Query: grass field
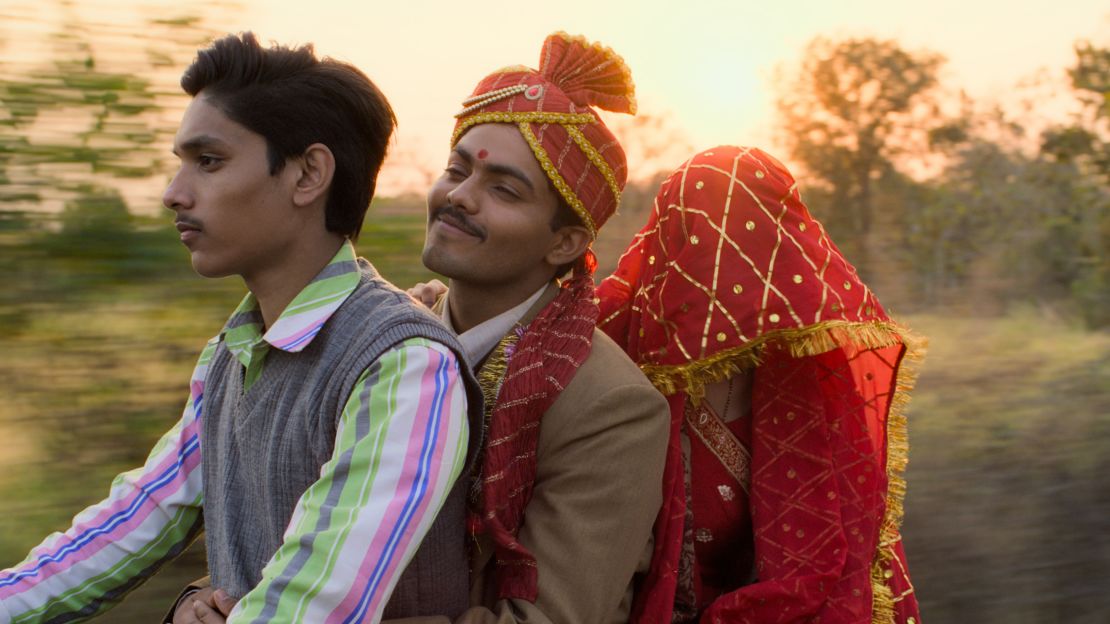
[1008,487]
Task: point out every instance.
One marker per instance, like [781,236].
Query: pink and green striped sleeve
[150,516]
[400,446]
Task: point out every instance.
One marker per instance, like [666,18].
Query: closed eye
[506,191]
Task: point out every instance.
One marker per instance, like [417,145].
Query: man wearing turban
[563,503]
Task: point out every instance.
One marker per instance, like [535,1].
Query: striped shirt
[402,439]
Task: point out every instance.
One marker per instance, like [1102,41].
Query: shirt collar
[303,318]
[479,340]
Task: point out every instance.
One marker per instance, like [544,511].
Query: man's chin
[433,260]
[437,260]
[206,267]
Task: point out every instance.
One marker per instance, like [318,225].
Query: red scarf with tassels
[541,364]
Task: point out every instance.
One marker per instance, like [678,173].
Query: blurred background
[959,154]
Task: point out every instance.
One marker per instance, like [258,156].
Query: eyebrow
[496,168]
[199,143]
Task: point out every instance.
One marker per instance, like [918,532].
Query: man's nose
[462,196]
[176,197]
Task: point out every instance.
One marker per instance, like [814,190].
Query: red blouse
[722,520]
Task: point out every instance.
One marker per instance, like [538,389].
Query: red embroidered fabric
[732,273]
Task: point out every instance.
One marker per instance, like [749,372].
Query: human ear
[315,169]
[571,241]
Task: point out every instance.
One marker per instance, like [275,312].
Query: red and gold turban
[732,273]
[553,109]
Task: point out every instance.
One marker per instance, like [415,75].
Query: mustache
[457,217]
[187,221]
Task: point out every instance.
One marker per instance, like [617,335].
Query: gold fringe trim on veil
[883,599]
[693,377]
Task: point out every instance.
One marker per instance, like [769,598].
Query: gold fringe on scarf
[897,456]
[693,377]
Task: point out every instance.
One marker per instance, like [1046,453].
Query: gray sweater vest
[263,448]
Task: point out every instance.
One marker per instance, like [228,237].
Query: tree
[1077,239]
[1086,141]
[1091,76]
[1005,223]
[852,106]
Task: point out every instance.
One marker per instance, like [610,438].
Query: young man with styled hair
[327,423]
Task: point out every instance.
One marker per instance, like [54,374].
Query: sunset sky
[708,67]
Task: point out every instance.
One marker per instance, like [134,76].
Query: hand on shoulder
[427,293]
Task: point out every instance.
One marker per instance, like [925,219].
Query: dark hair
[564,217]
[294,100]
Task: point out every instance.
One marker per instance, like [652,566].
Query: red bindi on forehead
[482,154]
